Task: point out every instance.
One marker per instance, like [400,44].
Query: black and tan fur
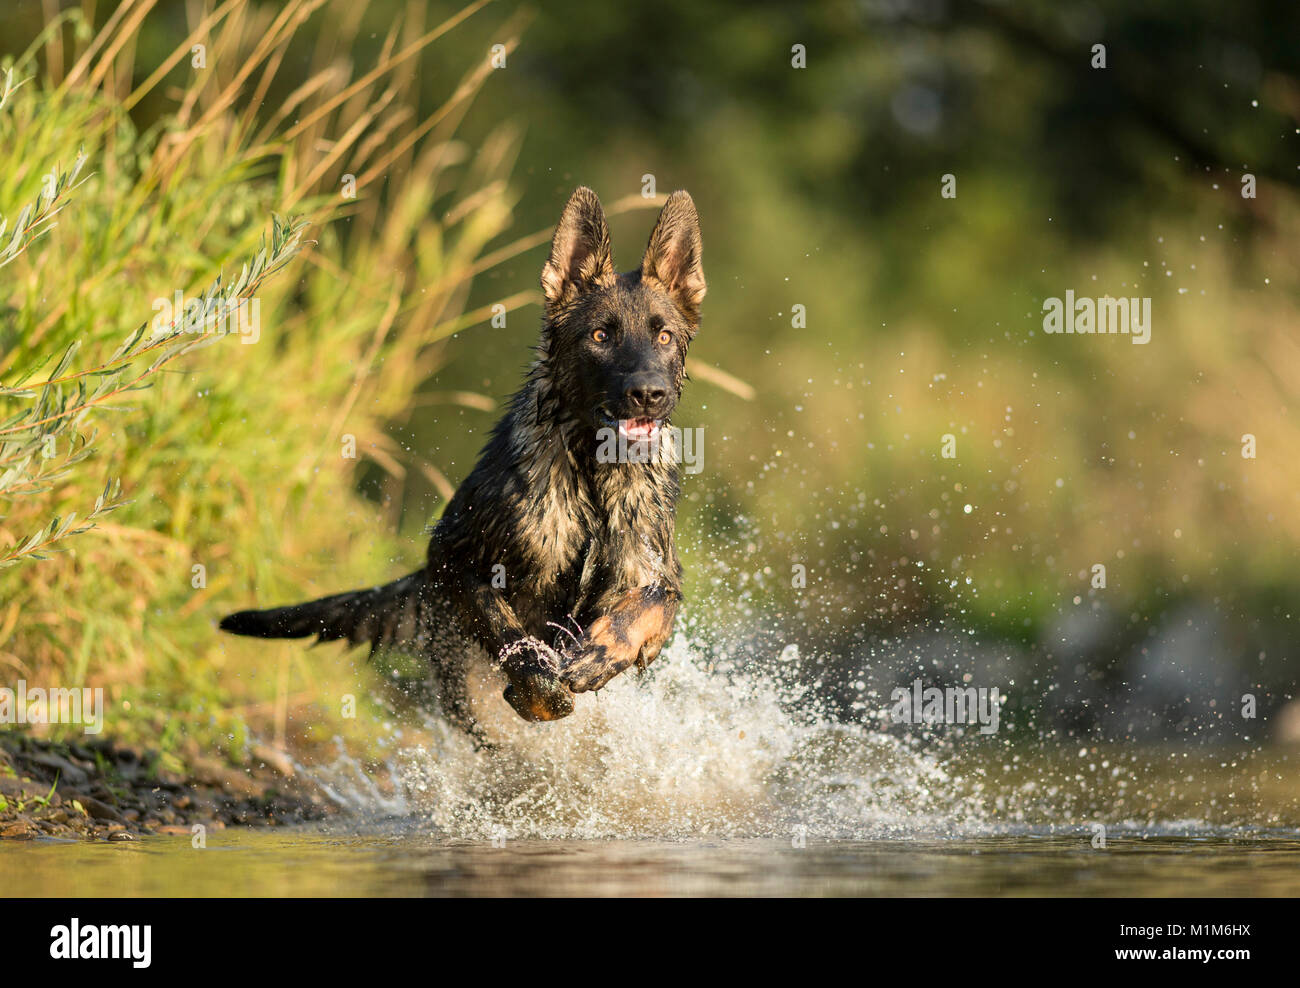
[583,545]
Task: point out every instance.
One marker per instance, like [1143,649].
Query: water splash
[702,746]
[713,744]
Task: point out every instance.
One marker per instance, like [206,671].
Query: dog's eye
[665,337]
[600,335]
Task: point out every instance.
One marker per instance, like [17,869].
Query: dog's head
[616,343]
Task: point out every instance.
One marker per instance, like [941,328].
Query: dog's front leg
[629,630]
[535,691]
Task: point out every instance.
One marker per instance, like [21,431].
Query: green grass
[222,461]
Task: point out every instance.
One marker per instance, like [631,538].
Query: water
[712,779]
[409,863]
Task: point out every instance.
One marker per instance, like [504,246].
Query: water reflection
[397,863]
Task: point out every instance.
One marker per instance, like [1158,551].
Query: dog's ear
[674,257]
[580,254]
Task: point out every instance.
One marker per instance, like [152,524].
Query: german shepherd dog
[548,538]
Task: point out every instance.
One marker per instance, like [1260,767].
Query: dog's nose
[645,390]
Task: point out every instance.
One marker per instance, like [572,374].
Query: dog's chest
[576,525]
[558,521]
[559,532]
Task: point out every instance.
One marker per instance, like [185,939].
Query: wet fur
[585,546]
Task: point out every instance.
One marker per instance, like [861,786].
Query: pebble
[100,810]
[19,830]
[68,772]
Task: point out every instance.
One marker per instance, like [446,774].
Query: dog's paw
[599,661]
[535,692]
[631,634]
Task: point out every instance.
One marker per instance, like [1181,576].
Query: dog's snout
[645,391]
[647,395]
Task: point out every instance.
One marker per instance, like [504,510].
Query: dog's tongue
[637,428]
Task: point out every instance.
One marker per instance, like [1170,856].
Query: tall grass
[226,460]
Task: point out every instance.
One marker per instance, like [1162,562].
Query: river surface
[307,863]
[703,782]
[1177,824]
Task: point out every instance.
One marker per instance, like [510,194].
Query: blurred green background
[820,187]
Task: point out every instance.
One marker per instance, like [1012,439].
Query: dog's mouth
[638,430]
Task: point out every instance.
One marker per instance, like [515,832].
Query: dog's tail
[394,615]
